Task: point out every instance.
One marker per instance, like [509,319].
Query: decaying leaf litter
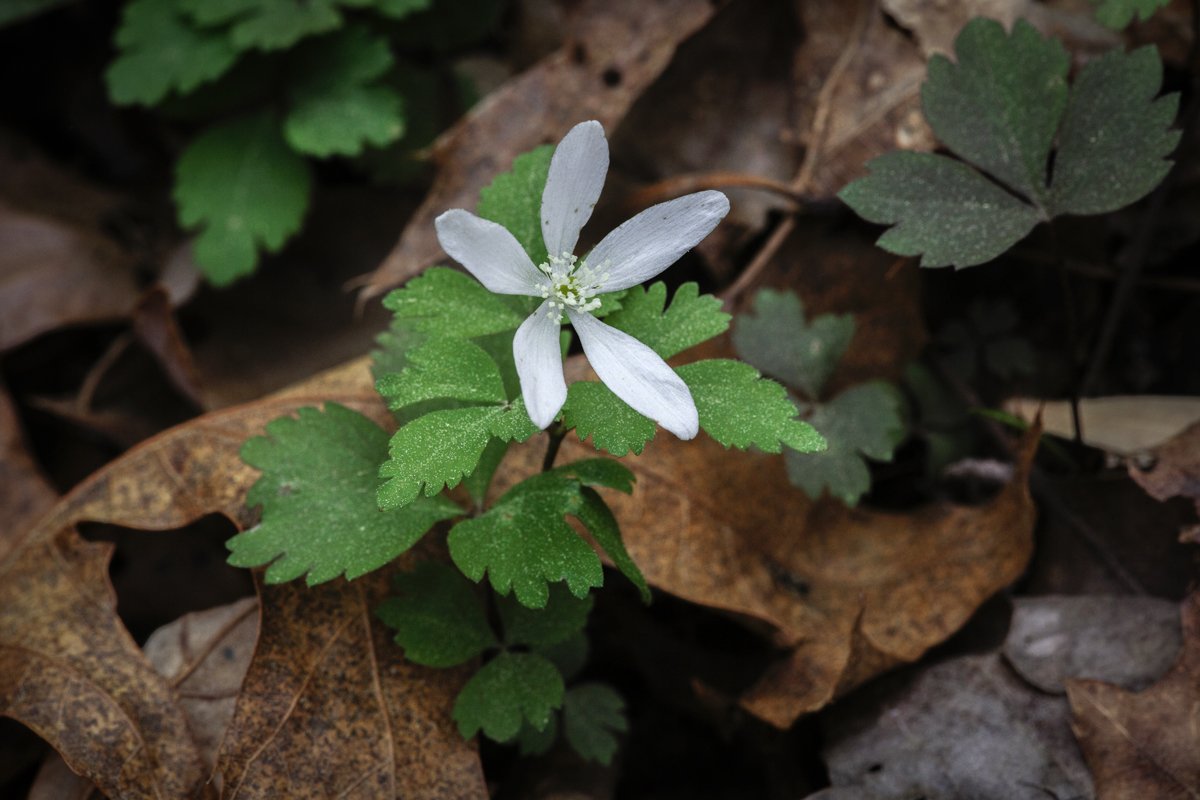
[820,598]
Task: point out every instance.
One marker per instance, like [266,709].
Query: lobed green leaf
[514,199]
[448,303]
[438,616]
[508,691]
[691,319]
[563,618]
[593,714]
[1117,14]
[317,492]
[593,410]
[443,368]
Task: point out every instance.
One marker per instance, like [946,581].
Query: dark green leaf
[245,189]
[593,410]
[439,618]
[862,422]
[942,210]
[599,472]
[595,514]
[267,24]
[779,341]
[161,52]
[691,319]
[739,408]
[593,714]
[1117,14]
[999,106]
[514,199]
[532,742]
[563,618]
[1114,142]
[317,491]
[569,655]
[509,690]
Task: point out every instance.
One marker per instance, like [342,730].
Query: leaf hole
[611,77]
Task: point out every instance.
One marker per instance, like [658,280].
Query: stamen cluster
[572,284]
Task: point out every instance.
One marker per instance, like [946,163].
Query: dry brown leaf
[24,493]
[1145,744]
[617,48]
[1173,470]
[168,482]
[71,673]
[331,709]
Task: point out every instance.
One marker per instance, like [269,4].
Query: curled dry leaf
[128,732]
[1145,744]
[1173,470]
[617,48]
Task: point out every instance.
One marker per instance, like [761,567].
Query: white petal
[573,185]
[637,375]
[489,252]
[538,355]
[645,245]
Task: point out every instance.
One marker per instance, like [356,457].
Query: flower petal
[645,245]
[573,185]
[489,252]
[538,355]
[637,375]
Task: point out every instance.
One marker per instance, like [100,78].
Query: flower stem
[556,432]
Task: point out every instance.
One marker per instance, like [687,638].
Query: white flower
[636,251]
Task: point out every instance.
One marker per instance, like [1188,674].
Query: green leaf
[439,449]
[593,714]
[1001,108]
[1114,141]
[1000,105]
[740,408]
[438,618]
[940,208]
[317,492]
[523,542]
[393,346]
[862,422]
[456,369]
[480,479]
[245,189]
[15,10]
[161,52]
[532,742]
[514,199]
[335,109]
[598,518]
[267,24]
[777,339]
[692,318]
[599,472]
[396,9]
[446,302]
[593,410]
[1117,14]
[510,689]
[563,618]
[569,655]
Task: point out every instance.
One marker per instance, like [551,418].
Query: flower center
[571,284]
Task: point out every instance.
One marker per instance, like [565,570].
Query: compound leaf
[317,492]
[446,302]
[245,189]
[161,52]
[1114,141]
[523,542]
[862,422]
[563,618]
[438,616]
[514,199]
[942,209]
[335,108]
[442,447]
[777,339]
[1117,14]
[267,24]
[593,714]
[511,689]
[740,408]
[691,319]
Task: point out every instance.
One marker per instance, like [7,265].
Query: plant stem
[556,432]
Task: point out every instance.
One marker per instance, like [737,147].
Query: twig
[812,152]
[87,390]
[684,184]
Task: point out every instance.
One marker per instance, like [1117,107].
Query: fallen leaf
[155,326]
[1173,470]
[1129,641]
[936,25]
[1123,425]
[70,672]
[49,577]
[965,728]
[616,49]
[1145,744]
[331,708]
[24,492]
